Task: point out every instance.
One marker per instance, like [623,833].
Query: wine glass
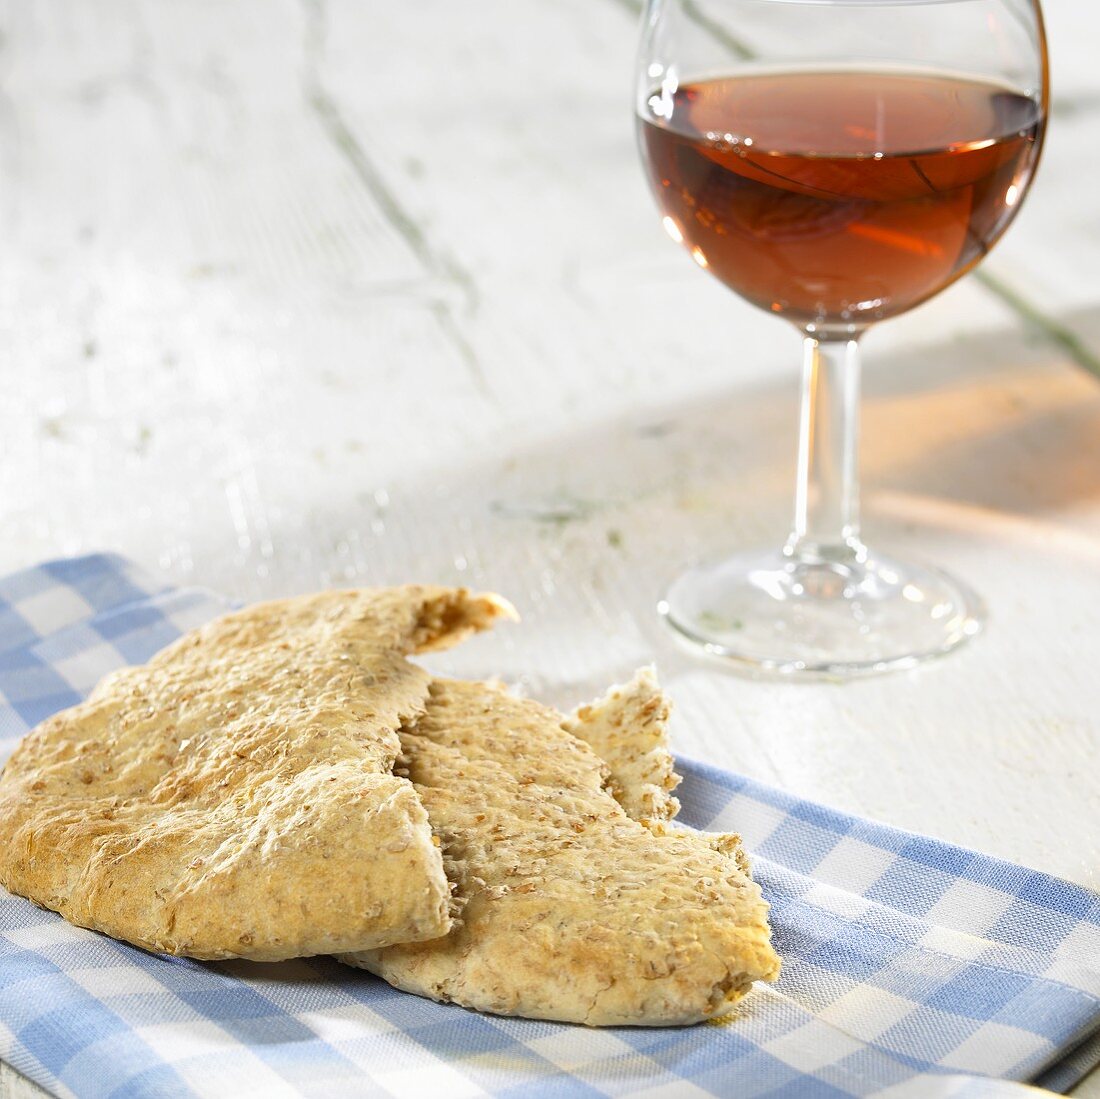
[835,162]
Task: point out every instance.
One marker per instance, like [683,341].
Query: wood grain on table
[304,294]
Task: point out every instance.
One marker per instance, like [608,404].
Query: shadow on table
[999,421]
[589,525]
[583,529]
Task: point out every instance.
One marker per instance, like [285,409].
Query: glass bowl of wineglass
[836,163]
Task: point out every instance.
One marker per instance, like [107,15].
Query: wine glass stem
[826,513]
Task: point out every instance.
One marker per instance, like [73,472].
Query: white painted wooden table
[345,292]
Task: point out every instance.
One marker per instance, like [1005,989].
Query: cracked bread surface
[569,909]
[233,798]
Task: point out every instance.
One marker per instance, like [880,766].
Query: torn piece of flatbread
[628,730]
[571,910]
[234,796]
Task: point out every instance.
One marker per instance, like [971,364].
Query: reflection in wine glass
[863,156]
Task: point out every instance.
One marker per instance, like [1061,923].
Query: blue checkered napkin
[911,968]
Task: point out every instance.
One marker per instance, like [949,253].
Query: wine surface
[839,197]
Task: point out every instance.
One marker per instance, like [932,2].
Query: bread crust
[570,909]
[234,797]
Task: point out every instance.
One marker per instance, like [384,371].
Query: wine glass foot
[821,613]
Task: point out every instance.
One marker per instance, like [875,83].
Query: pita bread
[628,730]
[570,910]
[234,796]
